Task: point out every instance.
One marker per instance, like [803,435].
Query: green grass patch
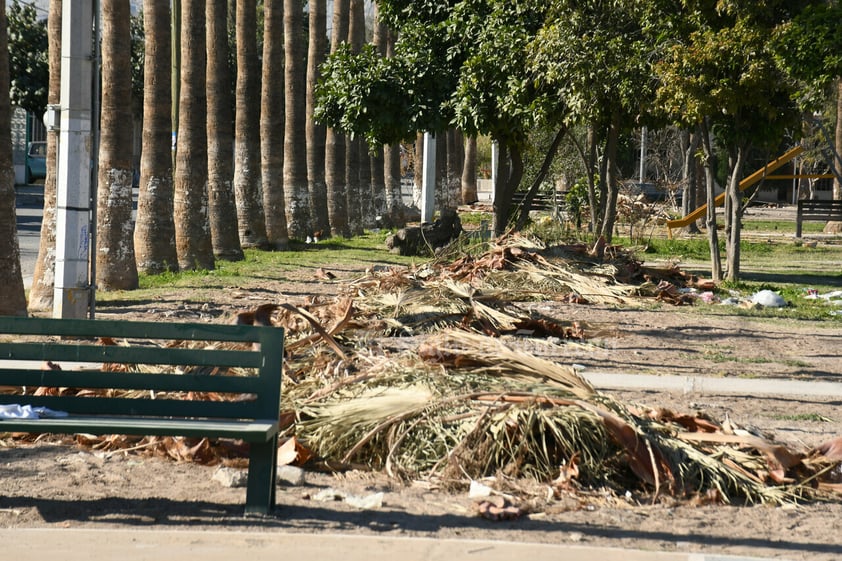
[814,417]
[781,226]
[258,264]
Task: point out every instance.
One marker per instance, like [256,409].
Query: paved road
[30,202]
[175,545]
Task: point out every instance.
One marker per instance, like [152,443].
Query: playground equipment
[762,173]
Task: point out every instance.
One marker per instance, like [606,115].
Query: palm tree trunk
[13,302]
[41,291]
[295,147]
[395,209]
[221,204]
[115,259]
[247,177]
[316,133]
[272,126]
[154,234]
[357,198]
[335,142]
[192,233]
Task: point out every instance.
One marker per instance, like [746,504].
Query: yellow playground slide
[744,184]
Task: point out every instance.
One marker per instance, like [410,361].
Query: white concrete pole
[495,150]
[428,183]
[73,220]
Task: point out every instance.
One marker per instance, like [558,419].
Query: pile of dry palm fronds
[462,403]
[467,405]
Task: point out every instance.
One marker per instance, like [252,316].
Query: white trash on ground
[769,299]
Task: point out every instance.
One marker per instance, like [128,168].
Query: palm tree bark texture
[192,234]
[13,302]
[272,125]
[154,234]
[115,257]
[222,207]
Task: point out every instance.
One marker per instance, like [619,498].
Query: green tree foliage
[28,58]
[809,49]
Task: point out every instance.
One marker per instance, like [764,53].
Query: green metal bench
[817,211]
[161,407]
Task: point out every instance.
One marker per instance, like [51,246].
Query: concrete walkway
[710,385]
[157,545]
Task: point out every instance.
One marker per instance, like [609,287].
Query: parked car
[36,161]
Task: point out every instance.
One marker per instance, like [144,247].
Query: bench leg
[260,494]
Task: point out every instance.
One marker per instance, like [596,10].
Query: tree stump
[427,238]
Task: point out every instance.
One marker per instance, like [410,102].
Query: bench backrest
[822,209]
[202,363]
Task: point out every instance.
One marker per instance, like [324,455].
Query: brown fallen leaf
[830,450]
[323,274]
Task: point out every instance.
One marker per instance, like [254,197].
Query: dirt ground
[57,484]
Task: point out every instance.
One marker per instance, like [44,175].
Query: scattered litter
[16,411]
[291,475]
[367,502]
[479,490]
[768,299]
[230,477]
[708,297]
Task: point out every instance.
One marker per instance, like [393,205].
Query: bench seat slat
[250,431]
[145,407]
[129,381]
[130,355]
[124,329]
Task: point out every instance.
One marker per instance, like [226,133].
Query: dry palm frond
[494,356]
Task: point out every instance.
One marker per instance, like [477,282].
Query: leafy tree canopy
[28,58]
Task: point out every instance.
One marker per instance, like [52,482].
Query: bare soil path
[51,484]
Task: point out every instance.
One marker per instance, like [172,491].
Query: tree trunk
[252,222]
[539,179]
[115,260]
[192,233]
[734,217]
[509,174]
[469,172]
[13,302]
[296,191]
[710,190]
[353,146]
[690,142]
[154,234]
[396,210]
[43,278]
[594,199]
[836,227]
[837,185]
[315,132]
[453,170]
[612,182]
[368,215]
[221,202]
[272,127]
[337,201]
[380,211]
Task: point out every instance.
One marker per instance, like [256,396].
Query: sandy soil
[51,483]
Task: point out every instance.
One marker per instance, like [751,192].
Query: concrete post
[428,183]
[495,149]
[73,220]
